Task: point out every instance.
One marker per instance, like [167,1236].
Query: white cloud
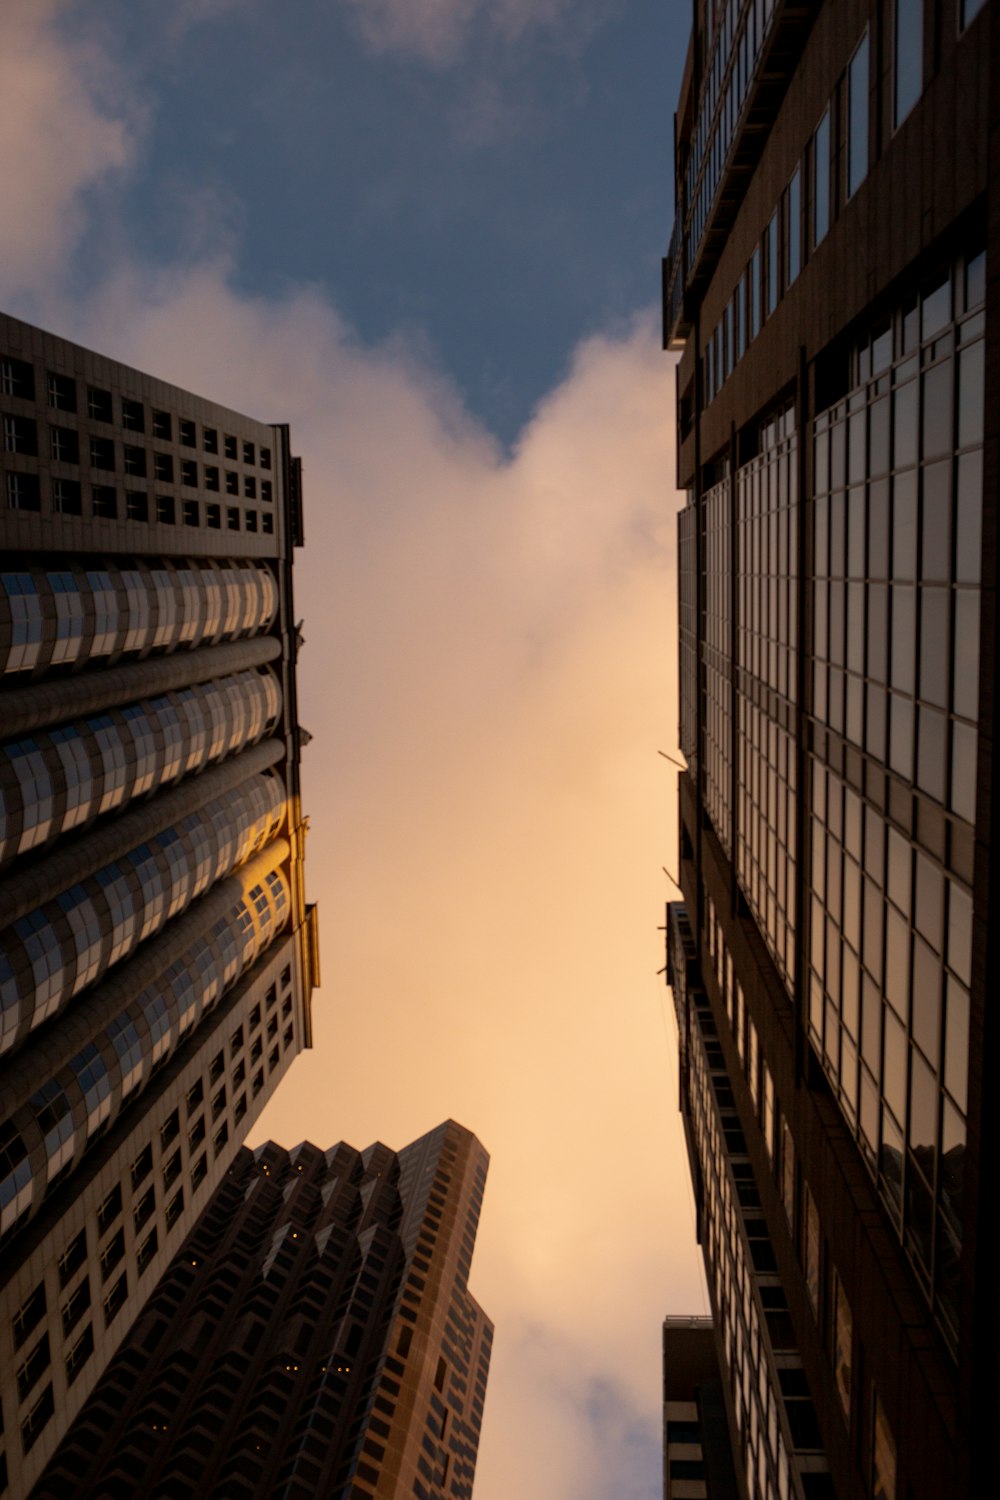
[437,31]
[67,127]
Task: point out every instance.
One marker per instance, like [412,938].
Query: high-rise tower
[156,953]
[832,291]
[314,1336]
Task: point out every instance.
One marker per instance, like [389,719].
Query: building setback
[697,1456]
[157,956]
[832,292]
[314,1336]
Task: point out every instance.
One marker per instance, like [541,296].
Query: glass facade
[86,1095]
[60,779]
[69,615]
[54,952]
[717,657]
[896,526]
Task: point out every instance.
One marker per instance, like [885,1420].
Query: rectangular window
[883,1454]
[136,506]
[192,514]
[163,467]
[102,453]
[105,501]
[248,453]
[908,57]
[187,433]
[62,392]
[793,227]
[23,492]
[857,117]
[99,405]
[37,1361]
[821,179]
[17,379]
[189,472]
[755,293]
[115,1298]
[80,1353]
[843,1334]
[29,1314]
[72,1258]
[811,1249]
[36,1419]
[771,263]
[134,460]
[166,510]
[230,448]
[133,416]
[109,1210]
[75,1306]
[162,427]
[146,1251]
[232,483]
[265,458]
[20,435]
[213,517]
[67,497]
[142,1166]
[210,440]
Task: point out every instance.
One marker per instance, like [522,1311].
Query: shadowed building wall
[831,290]
[157,956]
[314,1336]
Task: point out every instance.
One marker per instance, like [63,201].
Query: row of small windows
[49,955]
[66,1114]
[75,614]
[17,378]
[20,436]
[61,779]
[141,1191]
[67,498]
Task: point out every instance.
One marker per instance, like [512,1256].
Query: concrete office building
[156,953]
[314,1336]
[831,290]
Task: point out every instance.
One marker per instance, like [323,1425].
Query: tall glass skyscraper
[831,293]
[157,956]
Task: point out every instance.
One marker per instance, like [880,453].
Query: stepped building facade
[314,1336]
[157,955]
[832,295]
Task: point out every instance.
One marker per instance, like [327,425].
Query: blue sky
[499,199]
[427,234]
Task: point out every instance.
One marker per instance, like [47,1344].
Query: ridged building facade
[157,956]
[832,295]
[314,1336]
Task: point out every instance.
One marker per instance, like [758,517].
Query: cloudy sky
[427,234]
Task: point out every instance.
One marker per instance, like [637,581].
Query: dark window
[255,1017]
[241,1106]
[192,513]
[221,1137]
[195,1095]
[115,1298]
[287,1035]
[99,405]
[265,491]
[821,179]
[142,1166]
[134,460]
[213,517]
[175,1208]
[109,1210]
[251,520]
[257,1083]
[102,453]
[210,440]
[233,518]
[144,1208]
[36,1419]
[229,445]
[219,1103]
[75,1306]
[20,435]
[793,228]
[29,1314]
[162,426]
[265,458]
[199,1171]
[908,59]
[65,445]
[133,415]
[67,497]
[172,1169]
[197,1133]
[217,1068]
[189,472]
[267,522]
[146,1251]
[211,478]
[249,487]
[165,510]
[72,1258]
[62,392]
[80,1353]
[163,467]
[136,505]
[16,378]
[857,117]
[112,1254]
[232,483]
[187,433]
[105,501]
